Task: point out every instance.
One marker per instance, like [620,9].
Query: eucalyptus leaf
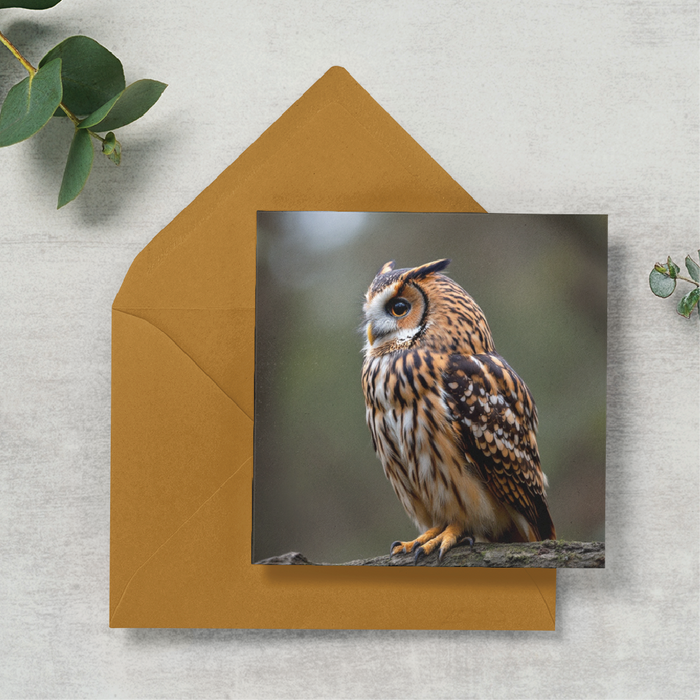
[29,4]
[661,284]
[688,302]
[673,269]
[30,104]
[99,114]
[78,167]
[126,107]
[693,268]
[91,74]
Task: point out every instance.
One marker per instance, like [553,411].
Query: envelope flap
[375,166]
[210,338]
[162,470]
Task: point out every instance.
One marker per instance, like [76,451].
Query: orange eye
[398,307]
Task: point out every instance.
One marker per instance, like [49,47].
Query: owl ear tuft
[386,267]
[419,272]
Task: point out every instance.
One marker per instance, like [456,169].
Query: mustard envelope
[182,399]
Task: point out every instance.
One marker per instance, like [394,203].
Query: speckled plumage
[453,425]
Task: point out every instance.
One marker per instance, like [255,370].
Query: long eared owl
[453,425]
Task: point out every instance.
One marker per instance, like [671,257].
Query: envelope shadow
[169,637]
[620,380]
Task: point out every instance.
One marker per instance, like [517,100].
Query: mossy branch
[550,554]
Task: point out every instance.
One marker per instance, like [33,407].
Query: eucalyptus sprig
[662,280]
[79,79]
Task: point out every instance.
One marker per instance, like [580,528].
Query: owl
[452,423]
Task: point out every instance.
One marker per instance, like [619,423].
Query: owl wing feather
[494,414]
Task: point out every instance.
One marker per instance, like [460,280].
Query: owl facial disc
[396,305]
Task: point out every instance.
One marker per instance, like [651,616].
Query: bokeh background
[542,283]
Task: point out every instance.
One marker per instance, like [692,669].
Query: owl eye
[398,307]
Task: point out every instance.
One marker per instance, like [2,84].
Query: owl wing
[496,418]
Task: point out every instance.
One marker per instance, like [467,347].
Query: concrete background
[568,107]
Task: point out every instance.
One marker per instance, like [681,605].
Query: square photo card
[430,389]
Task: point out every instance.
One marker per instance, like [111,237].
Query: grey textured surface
[532,107]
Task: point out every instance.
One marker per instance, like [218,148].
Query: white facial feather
[385,327]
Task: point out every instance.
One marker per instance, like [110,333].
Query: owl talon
[467,540]
[420,552]
[394,545]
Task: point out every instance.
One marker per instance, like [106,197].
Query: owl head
[396,305]
[419,306]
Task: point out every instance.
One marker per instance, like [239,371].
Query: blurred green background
[542,282]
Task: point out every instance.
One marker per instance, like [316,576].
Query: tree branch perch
[550,554]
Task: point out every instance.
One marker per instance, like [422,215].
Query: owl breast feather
[412,433]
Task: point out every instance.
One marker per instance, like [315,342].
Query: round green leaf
[30,104]
[693,268]
[99,114]
[29,4]
[126,107]
[91,74]
[78,167]
[662,285]
[687,303]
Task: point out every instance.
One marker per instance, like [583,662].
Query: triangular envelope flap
[348,134]
[220,342]
[166,470]
[209,251]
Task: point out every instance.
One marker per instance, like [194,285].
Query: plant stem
[70,114]
[30,68]
[95,136]
[687,279]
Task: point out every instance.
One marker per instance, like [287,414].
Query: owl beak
[370,335]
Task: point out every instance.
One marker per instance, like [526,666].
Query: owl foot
[445,539]
[400,547]
[429,541]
